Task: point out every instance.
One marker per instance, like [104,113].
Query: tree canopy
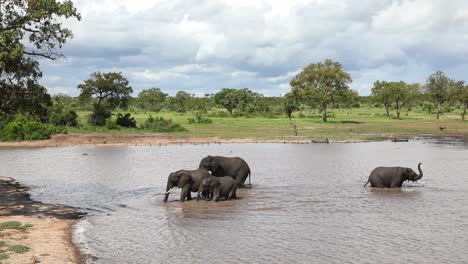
[324,84]
[438,86]
[110,90]
[152,99]
[29,29]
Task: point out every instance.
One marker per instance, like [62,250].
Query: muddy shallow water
[307,204]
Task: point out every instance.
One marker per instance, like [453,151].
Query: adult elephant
[188,180]
[393,177]
[220,166]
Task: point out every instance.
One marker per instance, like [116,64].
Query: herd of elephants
[219,177]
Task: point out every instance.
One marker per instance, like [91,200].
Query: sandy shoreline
[64,140]
[50,237]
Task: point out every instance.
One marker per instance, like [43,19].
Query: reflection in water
[307,205]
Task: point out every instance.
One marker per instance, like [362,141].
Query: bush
[199,121]
[5,119]
[63,117]
[159,124]
[99,116]
[126,120]
[20,130]
[111,124]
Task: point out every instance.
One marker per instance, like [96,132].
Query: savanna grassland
[364,123]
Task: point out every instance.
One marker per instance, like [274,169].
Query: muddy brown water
[307,204]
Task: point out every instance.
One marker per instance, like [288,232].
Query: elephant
[220,166]
[217,187]
[393,177]
[188,180]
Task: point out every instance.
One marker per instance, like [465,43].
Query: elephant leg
[184,193]
[232,193]
[216,194]
[189,196]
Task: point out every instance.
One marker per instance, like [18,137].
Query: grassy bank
[348,124]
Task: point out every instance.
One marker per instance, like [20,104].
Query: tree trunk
[386,109]
[398,110]
[324,114]
[463,113]
[438,110]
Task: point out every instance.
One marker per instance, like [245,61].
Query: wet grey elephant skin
[393,177]
[188,180]
[217,187]
[220,166]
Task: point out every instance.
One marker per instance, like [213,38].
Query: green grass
[19,248]
[348,124]
[14,225]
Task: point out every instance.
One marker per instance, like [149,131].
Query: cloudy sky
[201,46]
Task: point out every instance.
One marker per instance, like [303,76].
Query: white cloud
[205,45]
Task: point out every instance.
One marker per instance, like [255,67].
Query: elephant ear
[216,169]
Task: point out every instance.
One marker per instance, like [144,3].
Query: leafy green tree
[109,90]
[227,98]
[321,83]
[291,104]
[181,102]
[29,29]
[402,94]
[438,86]
[152,99]
[459,95]
[382,94]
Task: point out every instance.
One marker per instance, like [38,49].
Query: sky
[204,45]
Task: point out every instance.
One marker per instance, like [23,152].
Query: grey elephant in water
[220,166]
[188,180]
[393,177]
[217,187]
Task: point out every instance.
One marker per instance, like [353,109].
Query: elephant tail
[366,183]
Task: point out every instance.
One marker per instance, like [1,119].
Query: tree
[181,101]
[382,94]
[29,29]
[152,99]
[322,83]
[291,104]
[438,86]
[109,91]
[459,94]
[227,98]
[402,94]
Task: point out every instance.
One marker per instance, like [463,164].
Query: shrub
[199,121]
[301,115]
[28,130]
[99,116]
[5,119]
[159,124]
[64,117]
[126,120]
[111,124]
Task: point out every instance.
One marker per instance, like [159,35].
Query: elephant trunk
[168,190]
[420,172]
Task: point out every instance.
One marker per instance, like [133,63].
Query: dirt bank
[146,140]
[48,239]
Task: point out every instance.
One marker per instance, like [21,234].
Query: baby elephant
[393,177]
[217,187]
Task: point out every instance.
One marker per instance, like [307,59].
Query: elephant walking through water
[220,166]
[393,177]
[188,180]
